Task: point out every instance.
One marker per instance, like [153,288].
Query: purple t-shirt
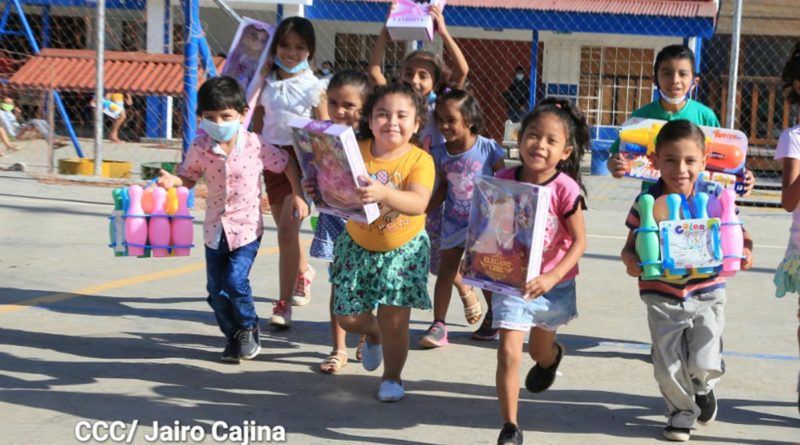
[459,171]
[565,197]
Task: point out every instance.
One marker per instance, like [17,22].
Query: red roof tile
[670,8]
[126,72]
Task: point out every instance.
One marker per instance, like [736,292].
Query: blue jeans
[228,286]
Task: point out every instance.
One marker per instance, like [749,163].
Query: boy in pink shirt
[232,161]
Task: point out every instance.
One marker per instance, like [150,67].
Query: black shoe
[676,434]
[249,344]
[539,379]
[510,435]
[708,407]
[231,352]
[485,332]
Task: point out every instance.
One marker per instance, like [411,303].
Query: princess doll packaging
[505,235]
[331,163]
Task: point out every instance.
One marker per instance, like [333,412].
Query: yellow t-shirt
[392,229]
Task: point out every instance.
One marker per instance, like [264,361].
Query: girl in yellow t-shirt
[384,265]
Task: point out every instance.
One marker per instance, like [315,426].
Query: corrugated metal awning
[125,72]
[666,8]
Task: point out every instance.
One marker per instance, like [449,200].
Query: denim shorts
[549,312]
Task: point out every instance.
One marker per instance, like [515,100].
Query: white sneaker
[391,391]
[302,287]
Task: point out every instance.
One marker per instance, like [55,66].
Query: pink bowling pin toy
[731,234]
[135,222]
[147,200]
[159,229]
[182,228]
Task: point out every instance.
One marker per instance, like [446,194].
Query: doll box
[411,20]
[726,150]
[331,162]
[505,234]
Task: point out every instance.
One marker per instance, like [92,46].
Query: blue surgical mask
[298,68]
[222,132]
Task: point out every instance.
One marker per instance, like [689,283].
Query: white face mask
[520,76]
[672,100]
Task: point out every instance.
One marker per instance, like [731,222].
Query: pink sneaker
[281,315]
[302,288]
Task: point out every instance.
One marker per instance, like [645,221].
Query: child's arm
[630,257]
[459,75]
[376,59]
[790,197]
[321,110]
[747,251]
[410,202]
[544,282]
[499,165]
[168,180]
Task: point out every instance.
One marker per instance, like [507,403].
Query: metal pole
[190,72]
[733,75]
[98,93]
[51,138]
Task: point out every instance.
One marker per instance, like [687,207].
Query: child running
[685,315]
[347,93]
[552,140]
[464,156]
[675,76]
[231,160]
[787,275]
[291,90]
[429,76]
[385,264]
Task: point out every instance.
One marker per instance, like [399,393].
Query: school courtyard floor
[90,340]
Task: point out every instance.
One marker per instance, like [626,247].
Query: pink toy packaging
[411,20]
[331,162]
[505,234]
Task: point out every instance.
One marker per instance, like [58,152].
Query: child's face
[292,50]
[419,73]
[680,163]
[451,121]
[220,116]
[675,78]
[345,104]
[254,40]
[543,143]
[394,120]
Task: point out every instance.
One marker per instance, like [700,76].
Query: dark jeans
[229,292]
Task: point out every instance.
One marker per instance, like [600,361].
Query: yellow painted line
[116,284]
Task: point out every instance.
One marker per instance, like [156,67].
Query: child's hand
[438,20]
[539,286]
[299,207]
[371,191]
[747,261]
[749,182]
[632,266]
[168,180]
[617,165]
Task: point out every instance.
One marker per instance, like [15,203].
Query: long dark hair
[577,133]
[791,74]
[300,26]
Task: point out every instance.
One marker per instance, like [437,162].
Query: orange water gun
[721,155]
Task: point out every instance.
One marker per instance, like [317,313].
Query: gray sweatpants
[687,350]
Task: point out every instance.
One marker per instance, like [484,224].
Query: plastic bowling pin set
[151,220]
[726,149]
[677,238]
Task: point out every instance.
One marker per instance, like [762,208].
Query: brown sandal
[334,362]
[474,311]
[360,348]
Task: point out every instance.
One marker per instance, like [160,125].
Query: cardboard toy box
[331,162]
[505,235]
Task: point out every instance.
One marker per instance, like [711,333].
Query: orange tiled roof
[670,8]
[126,72]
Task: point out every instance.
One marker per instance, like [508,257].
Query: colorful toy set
[727,150]
[505,235]
[332,163]
[411,19]
[151,220]
[677,238]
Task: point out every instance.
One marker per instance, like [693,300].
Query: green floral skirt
[362,279]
